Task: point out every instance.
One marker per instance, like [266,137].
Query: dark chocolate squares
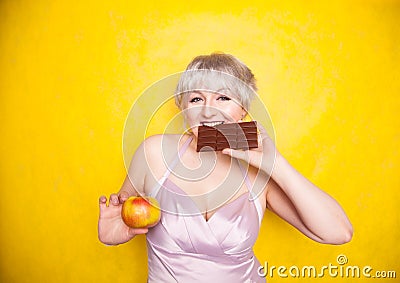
[234,135]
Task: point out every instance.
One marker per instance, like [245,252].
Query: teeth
[212,124]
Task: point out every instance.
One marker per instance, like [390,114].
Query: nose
[208,111]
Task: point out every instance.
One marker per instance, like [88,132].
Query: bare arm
[126,190]
[312,211]
[111,228]
[295,199]
[138,168]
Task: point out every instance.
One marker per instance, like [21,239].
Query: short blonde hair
[217,72]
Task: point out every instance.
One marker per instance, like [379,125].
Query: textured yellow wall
[70,71]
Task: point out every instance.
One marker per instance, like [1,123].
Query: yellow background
[70,71]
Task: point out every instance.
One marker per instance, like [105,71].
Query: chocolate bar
[233,135]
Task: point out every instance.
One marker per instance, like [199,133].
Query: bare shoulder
[161,148]
[157,143]
[147,161]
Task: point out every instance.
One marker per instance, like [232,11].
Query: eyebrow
[201,91]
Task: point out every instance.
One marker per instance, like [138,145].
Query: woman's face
[211,108]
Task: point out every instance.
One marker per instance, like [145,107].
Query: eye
[224,98]
[195,99]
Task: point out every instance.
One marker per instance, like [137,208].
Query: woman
[213,202]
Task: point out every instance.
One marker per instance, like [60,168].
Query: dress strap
[171,167]
[253,196]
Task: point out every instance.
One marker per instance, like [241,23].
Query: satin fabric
[185,247]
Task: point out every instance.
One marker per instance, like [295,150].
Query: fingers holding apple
[111,228]
[110,210]
[103,201]
[141,212]
[114,200]
[137,231]
[123,196]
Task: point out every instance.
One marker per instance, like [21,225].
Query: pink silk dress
[185,247]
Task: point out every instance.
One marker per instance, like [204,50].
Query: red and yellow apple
[141,212]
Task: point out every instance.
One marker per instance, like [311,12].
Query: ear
[244,113]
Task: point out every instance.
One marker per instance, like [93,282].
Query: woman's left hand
[262,157]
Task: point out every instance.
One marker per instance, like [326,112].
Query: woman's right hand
[111,228]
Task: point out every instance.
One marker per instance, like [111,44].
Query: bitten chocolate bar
[234,135]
